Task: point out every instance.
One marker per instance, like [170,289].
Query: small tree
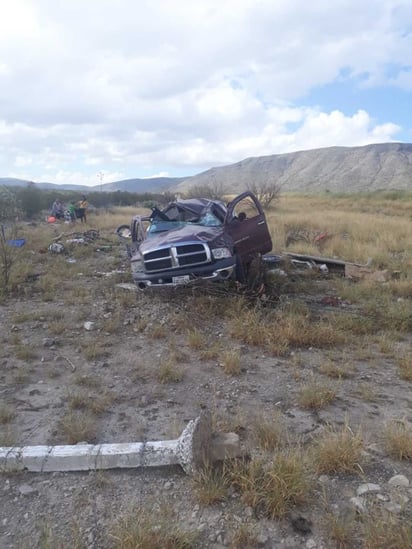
[31,200]
[9,207]
[267,191]
[215,190]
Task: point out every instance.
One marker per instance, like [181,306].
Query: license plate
[183,279]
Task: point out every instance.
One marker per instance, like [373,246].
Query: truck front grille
[175,257]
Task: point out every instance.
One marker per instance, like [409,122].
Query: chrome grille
[175,257]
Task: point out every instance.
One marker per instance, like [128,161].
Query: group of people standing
[75,210]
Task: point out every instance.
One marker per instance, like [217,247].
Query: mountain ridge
[336,169]
[381,166]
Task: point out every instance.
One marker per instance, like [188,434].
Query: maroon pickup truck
[197,239]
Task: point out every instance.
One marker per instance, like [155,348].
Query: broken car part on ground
[197,239]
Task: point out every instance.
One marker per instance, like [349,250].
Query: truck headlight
[221,253]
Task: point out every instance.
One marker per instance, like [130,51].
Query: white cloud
[138,88]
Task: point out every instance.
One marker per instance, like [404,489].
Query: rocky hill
[337,169]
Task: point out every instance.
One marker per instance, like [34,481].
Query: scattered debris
[110,273]
[362,272]
[331,264]
[127,286]
[301,234]
[59,357]
[56,248]
[80,240]
[16,242]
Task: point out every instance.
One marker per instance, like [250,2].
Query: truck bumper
[220,270]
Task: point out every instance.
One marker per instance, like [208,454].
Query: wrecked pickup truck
[197,239]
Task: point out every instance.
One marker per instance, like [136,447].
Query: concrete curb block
[85,457]
[192,450]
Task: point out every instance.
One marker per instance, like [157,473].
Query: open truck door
[246,223]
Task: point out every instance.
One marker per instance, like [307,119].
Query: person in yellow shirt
[81,211]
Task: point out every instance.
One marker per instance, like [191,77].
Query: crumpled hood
[189,233]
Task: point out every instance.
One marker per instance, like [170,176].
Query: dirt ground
[84,360]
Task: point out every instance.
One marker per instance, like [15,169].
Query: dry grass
[87,381]
[244,537]
[398,440]
[25,352]
[50,539]
[169,373]
[158,332]
[113,324]
[387,345]
[285,328]
[7,436]
[210,485]
[196,339]
[383,530]
[355,222]
[275,487]
[94,349]
[212,352]
[341,528]
[95,403]
[333,370]
[248,326]
[78,426]
[405,368]
[22,374]
[58,327]
[270,434]
[316,395]
[231,363]
[367,392]
[148,529]
[338,450]
[6,414]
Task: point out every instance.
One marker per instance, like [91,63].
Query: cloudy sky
[105,89]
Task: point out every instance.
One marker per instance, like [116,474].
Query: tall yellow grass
[361,227]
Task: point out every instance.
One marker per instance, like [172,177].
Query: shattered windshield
[158,225]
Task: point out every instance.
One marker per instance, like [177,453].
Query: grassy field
[314,375]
